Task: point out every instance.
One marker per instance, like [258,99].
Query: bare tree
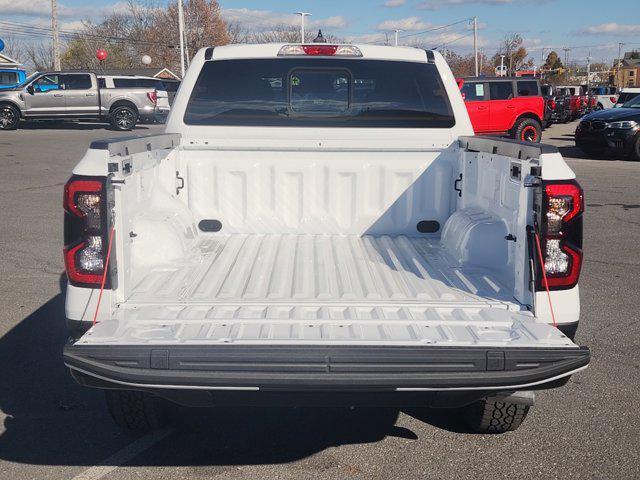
[39,55]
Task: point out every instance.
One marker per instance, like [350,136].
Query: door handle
[90,94]
[511,106]
[481,107]
[57,94]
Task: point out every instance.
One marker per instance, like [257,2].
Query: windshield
[29,78]
[319,92]
[634,102]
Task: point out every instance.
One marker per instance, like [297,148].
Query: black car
[616,130]
[557,104]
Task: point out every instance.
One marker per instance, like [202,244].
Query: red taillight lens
[552,104]
[153,96]
[323,50]
[85,226]
[561,234]
[613,99]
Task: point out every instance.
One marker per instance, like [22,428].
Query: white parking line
[123,456]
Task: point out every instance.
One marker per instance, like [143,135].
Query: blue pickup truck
[11,77]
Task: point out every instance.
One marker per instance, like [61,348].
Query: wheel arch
[12,104]
[123,103]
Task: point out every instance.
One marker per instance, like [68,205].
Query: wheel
[491,415]
[527,130]
[9,117]
[636,148]
[123,118]
[135,411]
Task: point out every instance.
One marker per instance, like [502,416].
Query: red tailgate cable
[544,277]
[104,274]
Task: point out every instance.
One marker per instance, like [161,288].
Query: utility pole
[589,71]
[181,33]
[502,66]
[566,64]
[475,42]
[54,32]
[481,59]
[302,15]
[397,32]
[618,66]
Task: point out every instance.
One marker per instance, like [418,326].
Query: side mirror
[30,89]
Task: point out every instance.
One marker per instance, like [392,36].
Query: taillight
[551,103]
[613,99]
[321,50]
[561,234]
[85,228]
[153,96]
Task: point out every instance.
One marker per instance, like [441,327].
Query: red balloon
[101,54]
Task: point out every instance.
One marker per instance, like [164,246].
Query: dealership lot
[52,428]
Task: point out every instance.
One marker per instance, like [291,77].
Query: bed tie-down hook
[180,183]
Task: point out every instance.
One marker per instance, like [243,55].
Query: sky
[584,25]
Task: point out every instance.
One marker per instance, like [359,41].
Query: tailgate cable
[104,274]
[544,275]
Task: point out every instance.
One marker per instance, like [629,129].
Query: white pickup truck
[319,226]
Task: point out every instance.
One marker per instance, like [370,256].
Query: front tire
[527,130]
[635,153]
[490,415]
[9,117]
[123,118]
[134,411]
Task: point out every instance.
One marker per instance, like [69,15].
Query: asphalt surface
[52,428]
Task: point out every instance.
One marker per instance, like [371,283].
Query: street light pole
[618,66]
[302,16]
[181,33]
[54,33]
[396,37]
[502,65]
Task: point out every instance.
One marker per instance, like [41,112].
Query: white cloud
[42,8]
[266,19]
[437,4]
[409,24]
[612,29]
[394,3]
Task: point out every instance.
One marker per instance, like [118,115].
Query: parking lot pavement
[52,428]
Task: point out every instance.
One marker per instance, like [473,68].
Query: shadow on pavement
[50,420]
[68,125]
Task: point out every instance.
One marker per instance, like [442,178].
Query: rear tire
[527,130]
[135,411]
[9,117]
[491,415]
[123,118]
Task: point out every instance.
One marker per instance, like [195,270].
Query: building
[8,62]
[627,73]
[156,72]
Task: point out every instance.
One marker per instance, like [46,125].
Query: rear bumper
[333,369]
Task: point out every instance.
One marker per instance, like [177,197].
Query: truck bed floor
[323,269]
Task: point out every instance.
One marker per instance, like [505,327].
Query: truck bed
[321,269]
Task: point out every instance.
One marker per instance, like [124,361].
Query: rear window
[319,93]
[137,83]
[527,88]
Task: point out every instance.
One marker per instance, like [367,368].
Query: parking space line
[123,456]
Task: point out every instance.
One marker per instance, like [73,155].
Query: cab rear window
[319,93]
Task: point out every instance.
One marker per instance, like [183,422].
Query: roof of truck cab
[270,50]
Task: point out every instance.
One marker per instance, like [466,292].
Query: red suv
[504,106]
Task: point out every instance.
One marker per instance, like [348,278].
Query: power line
[434,29]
